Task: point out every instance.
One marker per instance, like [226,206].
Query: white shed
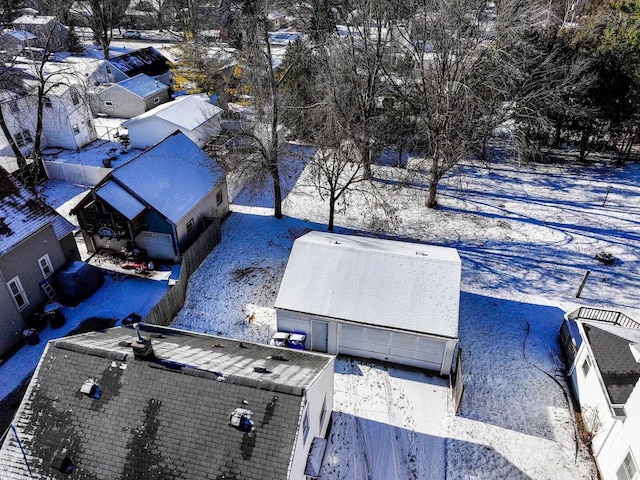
[383,299]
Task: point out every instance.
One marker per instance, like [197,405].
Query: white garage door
[402,348]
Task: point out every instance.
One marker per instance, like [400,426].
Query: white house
[388,300]
[193,115]
[165,403]
[603,356]
[131,97]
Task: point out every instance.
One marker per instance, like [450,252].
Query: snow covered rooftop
[120,199]
[172,177]
[388,283]
[22,214]
[143,85]
[187,112]
[33,20]
[21,35]
[145,60]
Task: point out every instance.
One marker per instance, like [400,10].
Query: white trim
[15,281]
[47,266]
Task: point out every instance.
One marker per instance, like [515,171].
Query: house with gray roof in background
[194,115]
[131,97]
[145,60]
[34,242]
[169,404]
[160,200]
[602,349]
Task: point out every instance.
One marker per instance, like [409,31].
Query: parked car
[131,34]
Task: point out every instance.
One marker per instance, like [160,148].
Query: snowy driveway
[388,423]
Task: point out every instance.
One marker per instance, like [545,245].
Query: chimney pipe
[142,348]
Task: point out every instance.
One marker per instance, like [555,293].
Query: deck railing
[609,316]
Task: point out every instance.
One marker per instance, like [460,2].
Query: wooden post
[605,197]
[584,280]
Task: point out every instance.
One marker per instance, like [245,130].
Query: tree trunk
[366,163]
[433,187]
[277,193]
[332,211]
[14,148]
[584,144]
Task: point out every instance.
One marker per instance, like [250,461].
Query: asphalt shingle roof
[619,369]
[22,214]
[147,60]
[165,418]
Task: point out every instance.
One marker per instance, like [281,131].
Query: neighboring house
[15,41]
[50,33]
[372,298]
[174,404]
[147,60]
[193,115]
[131,97]
[161,200]
[34,242]
[603,357]
[67,120]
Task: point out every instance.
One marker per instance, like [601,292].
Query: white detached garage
[382,299]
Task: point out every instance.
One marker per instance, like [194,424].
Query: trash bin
[297,341]
[31,336]
[53,314]
[280,339]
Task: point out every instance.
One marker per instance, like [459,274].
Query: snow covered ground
[526,235]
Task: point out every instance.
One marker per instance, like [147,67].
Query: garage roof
[387,283]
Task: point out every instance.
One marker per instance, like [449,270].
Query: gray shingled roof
[22,214]
[619,369]
[161,419]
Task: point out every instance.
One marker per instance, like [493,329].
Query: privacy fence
[173,300]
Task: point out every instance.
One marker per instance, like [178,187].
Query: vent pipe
[142,348]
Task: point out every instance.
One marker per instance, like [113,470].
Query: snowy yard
[526,234]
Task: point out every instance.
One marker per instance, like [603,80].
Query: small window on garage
[628,470]
[586,365]
[191,227]
[44,263]
[74,97]
[13,106]
[219,198]
[305,427]
[156,100]
[47,102]
[108,103]
[76,129]
[108,67]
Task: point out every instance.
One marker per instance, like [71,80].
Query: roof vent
[91,388]
[142,348]
[240,419]
[423,254]
[280,358]
[260,370]
[62,463]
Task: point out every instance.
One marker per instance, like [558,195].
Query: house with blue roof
[131,97]
[160,201]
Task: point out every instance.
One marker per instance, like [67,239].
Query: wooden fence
[172,302]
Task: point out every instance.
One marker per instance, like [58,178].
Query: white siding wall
[146,133]
[289,321]
[320,392]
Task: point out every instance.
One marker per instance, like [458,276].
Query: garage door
[396,347]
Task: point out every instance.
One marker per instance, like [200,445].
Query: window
[44,263]
[74,97]
[628,470]
[47,102]
[586,366]
[323,412]
[190,227]
[108,103]
[23,138]
[13,106]
[219,198]
[305,426]
[156,100]
[75,128]
[15,287]
[108,67]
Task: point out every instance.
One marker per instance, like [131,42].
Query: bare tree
[11,86]
[103,17]
[262,82]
